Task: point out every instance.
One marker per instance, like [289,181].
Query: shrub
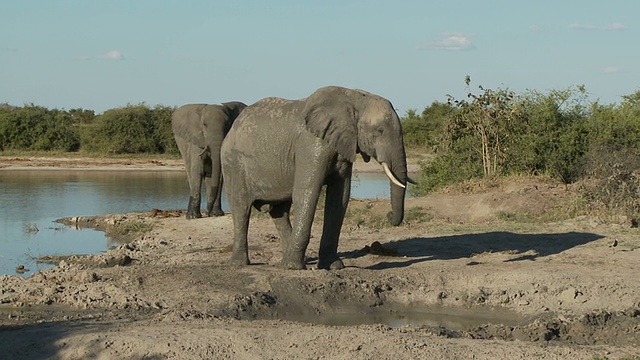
[131,129]
[496,133]
[37,128]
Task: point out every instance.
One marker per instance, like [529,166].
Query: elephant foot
[293,265]
[239,260]
[334,265]
[216,212]
[193,215]
[193,209]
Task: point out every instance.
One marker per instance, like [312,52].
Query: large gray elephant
[280,153]
[199,130]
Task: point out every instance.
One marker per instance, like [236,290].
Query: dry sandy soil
[467,276]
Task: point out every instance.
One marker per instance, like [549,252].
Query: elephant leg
[337,199]
[214,186]
[240,252]
[194,177]
[214,195]
[280,215]
[305,200]
[217,204]
[193,211]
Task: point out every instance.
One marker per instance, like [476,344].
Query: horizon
[102,55]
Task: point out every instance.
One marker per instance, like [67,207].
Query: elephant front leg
[214,196]
[193,209]
[194,176]
[305,208]
[337,199]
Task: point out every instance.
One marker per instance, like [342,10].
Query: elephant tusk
[204,150]
[392,177]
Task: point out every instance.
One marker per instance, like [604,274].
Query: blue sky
[105,54]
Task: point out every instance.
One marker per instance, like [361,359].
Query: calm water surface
[33,199]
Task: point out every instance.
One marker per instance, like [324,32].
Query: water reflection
[457,319]
[32,199]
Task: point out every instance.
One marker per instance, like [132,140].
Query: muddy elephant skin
[280,153]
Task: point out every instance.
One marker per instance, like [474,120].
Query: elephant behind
[199,130]
[280,153]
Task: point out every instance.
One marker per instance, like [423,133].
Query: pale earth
[169,293]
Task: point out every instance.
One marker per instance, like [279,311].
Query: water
[32,199]
[457,319]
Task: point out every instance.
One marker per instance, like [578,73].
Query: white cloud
[111,55]
[453,41]
[611,27]
[611,70]
[535,28]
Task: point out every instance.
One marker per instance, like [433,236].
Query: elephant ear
[233,109]
[186,123]
[332,118]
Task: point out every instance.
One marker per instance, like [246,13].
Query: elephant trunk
[398,169]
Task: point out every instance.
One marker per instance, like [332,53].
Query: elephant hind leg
[240,252]
[336,201]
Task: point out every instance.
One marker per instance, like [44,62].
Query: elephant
[280,153]
[199,130]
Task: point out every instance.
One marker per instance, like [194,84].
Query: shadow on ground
[530,246]
[46,340]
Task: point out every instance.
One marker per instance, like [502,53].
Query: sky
[104,54]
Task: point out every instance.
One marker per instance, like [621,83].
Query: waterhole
[35,199]
[456,319]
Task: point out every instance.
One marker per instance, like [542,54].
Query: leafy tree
[487,116]
[613,156]
[82,116]
[497,133]
[616,127]
[425,130]
[550,134]
[131,129]
[37,128]
[164,138]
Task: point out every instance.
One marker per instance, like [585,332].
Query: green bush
[550,136]
[496,133]
[130,130]
[613,158]
[37,128]
[425,130]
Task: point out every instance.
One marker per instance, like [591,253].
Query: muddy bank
[451,282]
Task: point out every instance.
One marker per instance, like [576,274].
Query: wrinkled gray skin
[279,153]
[199,130]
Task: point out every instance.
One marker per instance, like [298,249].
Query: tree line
[132,129]
[489,133]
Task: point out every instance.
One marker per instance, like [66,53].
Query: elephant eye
[380,130]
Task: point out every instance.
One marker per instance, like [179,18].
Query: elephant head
[215,122]
[340,116]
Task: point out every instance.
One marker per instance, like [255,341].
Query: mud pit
[554,290]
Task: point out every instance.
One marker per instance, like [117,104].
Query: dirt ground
[560,289]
